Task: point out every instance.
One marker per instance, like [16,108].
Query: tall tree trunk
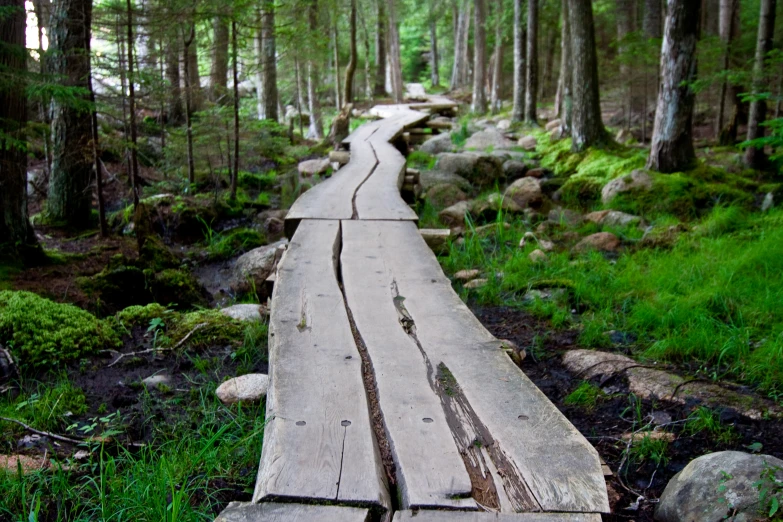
[727,22]
[380,50]
[497,69]
[235,71]
[394,54]
[42,9]
[531,94]
[672,140]
[316,130]
[70,191]
[625,17]
[194,79]
[134,155]
[434,72]
[15,229]
[188,41]
[338,94]
[480,58]
[270,59]
[565,107]
[587,128]
[755,156]
[368,87]
[218,75]
[174,103]
[258,53]
[350,70]
[459,75]
[652,19]
[96,156]
[518,111]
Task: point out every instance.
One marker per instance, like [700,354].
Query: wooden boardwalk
[388,399]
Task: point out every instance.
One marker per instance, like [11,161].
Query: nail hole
[427,420]
[300,423]
[348,357]
[345,423]
[523,417]
[433,280]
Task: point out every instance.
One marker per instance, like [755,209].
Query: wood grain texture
[271,512]
[430,470]
[318,443]
[530,439]
[379,197]
[452,516]
[362,133]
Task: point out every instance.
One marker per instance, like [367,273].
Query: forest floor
[168,449]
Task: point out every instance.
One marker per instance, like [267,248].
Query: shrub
[40,332]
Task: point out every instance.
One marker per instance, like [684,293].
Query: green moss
[233,242]
[421,160]
[140,315]
[217,330]
[40,332]
[252,181]
[156,256]
[586,396]
[175,287]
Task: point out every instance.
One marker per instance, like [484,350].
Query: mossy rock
[116,287]
[41,333]
[141,315]
[156,256]
[206,328]
[176,288]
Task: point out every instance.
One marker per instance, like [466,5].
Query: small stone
[552,125]
[444,195]
[246,388]
[243,312]
[437,239]
[504,125]
[545,245]
[566,217]
[624,136]
[537,173]
[438,144]
[476,283]
[467,275]
[487,139]
[528,143]
[514,169]
[516,353]
[525,192]
[602,241]
[537,256]
[313,167]
[660,417]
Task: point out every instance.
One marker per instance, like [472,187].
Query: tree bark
[134,155]
[531,116]
[518,111]
[338,95]
[587,128]
[672,140]
[625,17]
[174,80]
[235,71]
[394,54]
[497,69]
[15,230]
[380,50]
[459,75]
[70,193]
[727,29]
[652,19]
[434,72]
[480,58]
[350,69]
[755,156]
[219,74]
[566,102]
[188,41]
[194,79]
[316,130]
[270,60]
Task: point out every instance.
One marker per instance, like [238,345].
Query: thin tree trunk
[189,106]
[316,130]
[338,95]
[531,77]
[124,97]
[672,141]
[350,70]
[625,26]
[726,30]
[16,234]
[173,54]
[235,70]
[367,74]
[459,75]
[434,72]
[587,129]
[195,79]
[755,157]
[518,111]
[480,58]
[270,60]
[300,102]
[566,97]
[70,184]
[134,156]
[394,54]
[497,69]
[380,50]
[219,73]
[43,107]
[258,51]
[96,157]
[652,19]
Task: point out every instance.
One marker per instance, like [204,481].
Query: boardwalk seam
[355,214]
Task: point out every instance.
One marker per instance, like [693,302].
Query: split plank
[430,470]
[333,198]
[379,197]
[535,445]
[271,512]
[362,133]
[318,442]
[451,516]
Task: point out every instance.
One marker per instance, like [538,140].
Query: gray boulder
[438,144]
[528,143]
[255,266]
[488,138]
[514,169]
[444,195]
[430,178]
[601,241]
[313,167]
[454,216]
[565,217]
[480,169]
[525,192]
[243,312]
[718,486]
[636,180]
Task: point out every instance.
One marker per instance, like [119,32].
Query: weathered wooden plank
[430,470]
[333,199]
[452,516]
[318,442]
[271,512]
[362,133]
[546,462]
[379,197]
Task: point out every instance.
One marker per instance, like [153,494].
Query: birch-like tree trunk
[518,111]
[258,53]
[350,69]
[394,54]
[587,128]
[755,156]
[479,105]
[15,229]
[70,190]
[235,73]
[672,139]
[434,72]
[497,64]
[566,102]
[269,52]
[460,70]
[316,130]
[531,76]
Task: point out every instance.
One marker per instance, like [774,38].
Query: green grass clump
[206,328]
[585,396]
[45,406]
[648,448]
[141,315]
[706,420]
[421,160]
[230,243]
[42,333]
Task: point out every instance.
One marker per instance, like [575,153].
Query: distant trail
[387,397]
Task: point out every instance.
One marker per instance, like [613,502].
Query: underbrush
[712,300]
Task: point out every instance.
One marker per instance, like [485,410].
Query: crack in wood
[355,214]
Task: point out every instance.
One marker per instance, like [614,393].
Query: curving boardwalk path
[388,400]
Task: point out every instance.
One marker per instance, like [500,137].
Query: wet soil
[617,414]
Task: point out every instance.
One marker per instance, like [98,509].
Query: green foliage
[175,287]
[770,488]
[45,406]
[227,244]
[42,333]
[585,396]
[138,315]
[704,419]
[421,160]
[649,448]
[206,328]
